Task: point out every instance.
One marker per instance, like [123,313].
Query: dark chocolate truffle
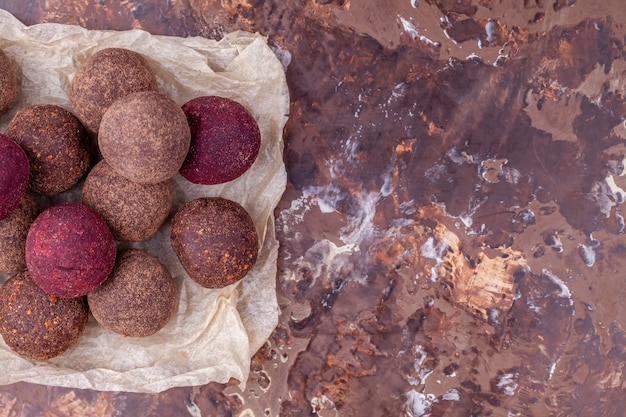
[139,297]
[225,140]
[56,144]
[8,83]
[36,325]
[215,240]
[133,211]
[144,137]
[70,250]
[14,173]
[13,232]
[104,77]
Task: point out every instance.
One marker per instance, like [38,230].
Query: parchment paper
[214,332]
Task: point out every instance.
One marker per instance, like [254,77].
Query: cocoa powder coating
[56,144]
[225,140]
[132,210]
[36,325]
[104,77]
[144,137]
[8,83]
[13,232]
[139,297]
[70,250]
[14,174]
[215,240]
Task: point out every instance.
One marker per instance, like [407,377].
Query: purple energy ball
[14,172]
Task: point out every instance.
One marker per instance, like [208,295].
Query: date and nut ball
[144,137]
[36,325]
[8,83]
[225,140]
[215,241]
[14,174]
[139,297]
[70,250]
[13,232]
[105,77]
[132,210]
[56,144]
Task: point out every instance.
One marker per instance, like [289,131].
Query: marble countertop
[451,235]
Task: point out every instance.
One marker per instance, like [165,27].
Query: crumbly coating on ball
[139,297]
[57,146]
[8,83]
[70,250]
[13,232]
[14,174]
[133,211]
[37,325]
[145,137]
[104,77]
[215,240]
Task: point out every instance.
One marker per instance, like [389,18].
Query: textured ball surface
[215,241]
[144,137]
[36,325]
[14,174]
[225,140]
[133,211]
[104,77]
[8,83]
[13,232]
[70,250]
[56,144]
[139,297]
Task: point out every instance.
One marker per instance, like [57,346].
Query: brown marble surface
[452,240]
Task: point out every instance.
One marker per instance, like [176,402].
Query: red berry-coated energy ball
[70,250]
[14,173]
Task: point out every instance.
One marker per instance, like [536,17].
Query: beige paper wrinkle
[214,333]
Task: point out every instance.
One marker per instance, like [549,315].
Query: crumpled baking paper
[214,333]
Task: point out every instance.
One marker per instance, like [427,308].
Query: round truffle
[105,77]
[144,137]
[70,250]
[36,325]
[133,211]
[215,241]
[225,140]
[14,173]
[8,83]
[56,144]
[13,232]
[139,297]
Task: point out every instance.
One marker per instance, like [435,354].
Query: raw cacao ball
[8,83]
[13,232]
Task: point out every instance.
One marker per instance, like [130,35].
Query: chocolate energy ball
[144,137]
[8,83]
[36,325]
[13,232]
[56,144]
[104,77]
[70,250]
[215,240]
[133,211]
[14,173]
[225,140]
[139,297]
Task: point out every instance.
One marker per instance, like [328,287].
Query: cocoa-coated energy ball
[133,211]
[144,137]
[56,144]
[225,140]
[139,297]
[104,77]
[8,83]
[36,325]
[70,250]
[13,232]
[14,173]
[215,240]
